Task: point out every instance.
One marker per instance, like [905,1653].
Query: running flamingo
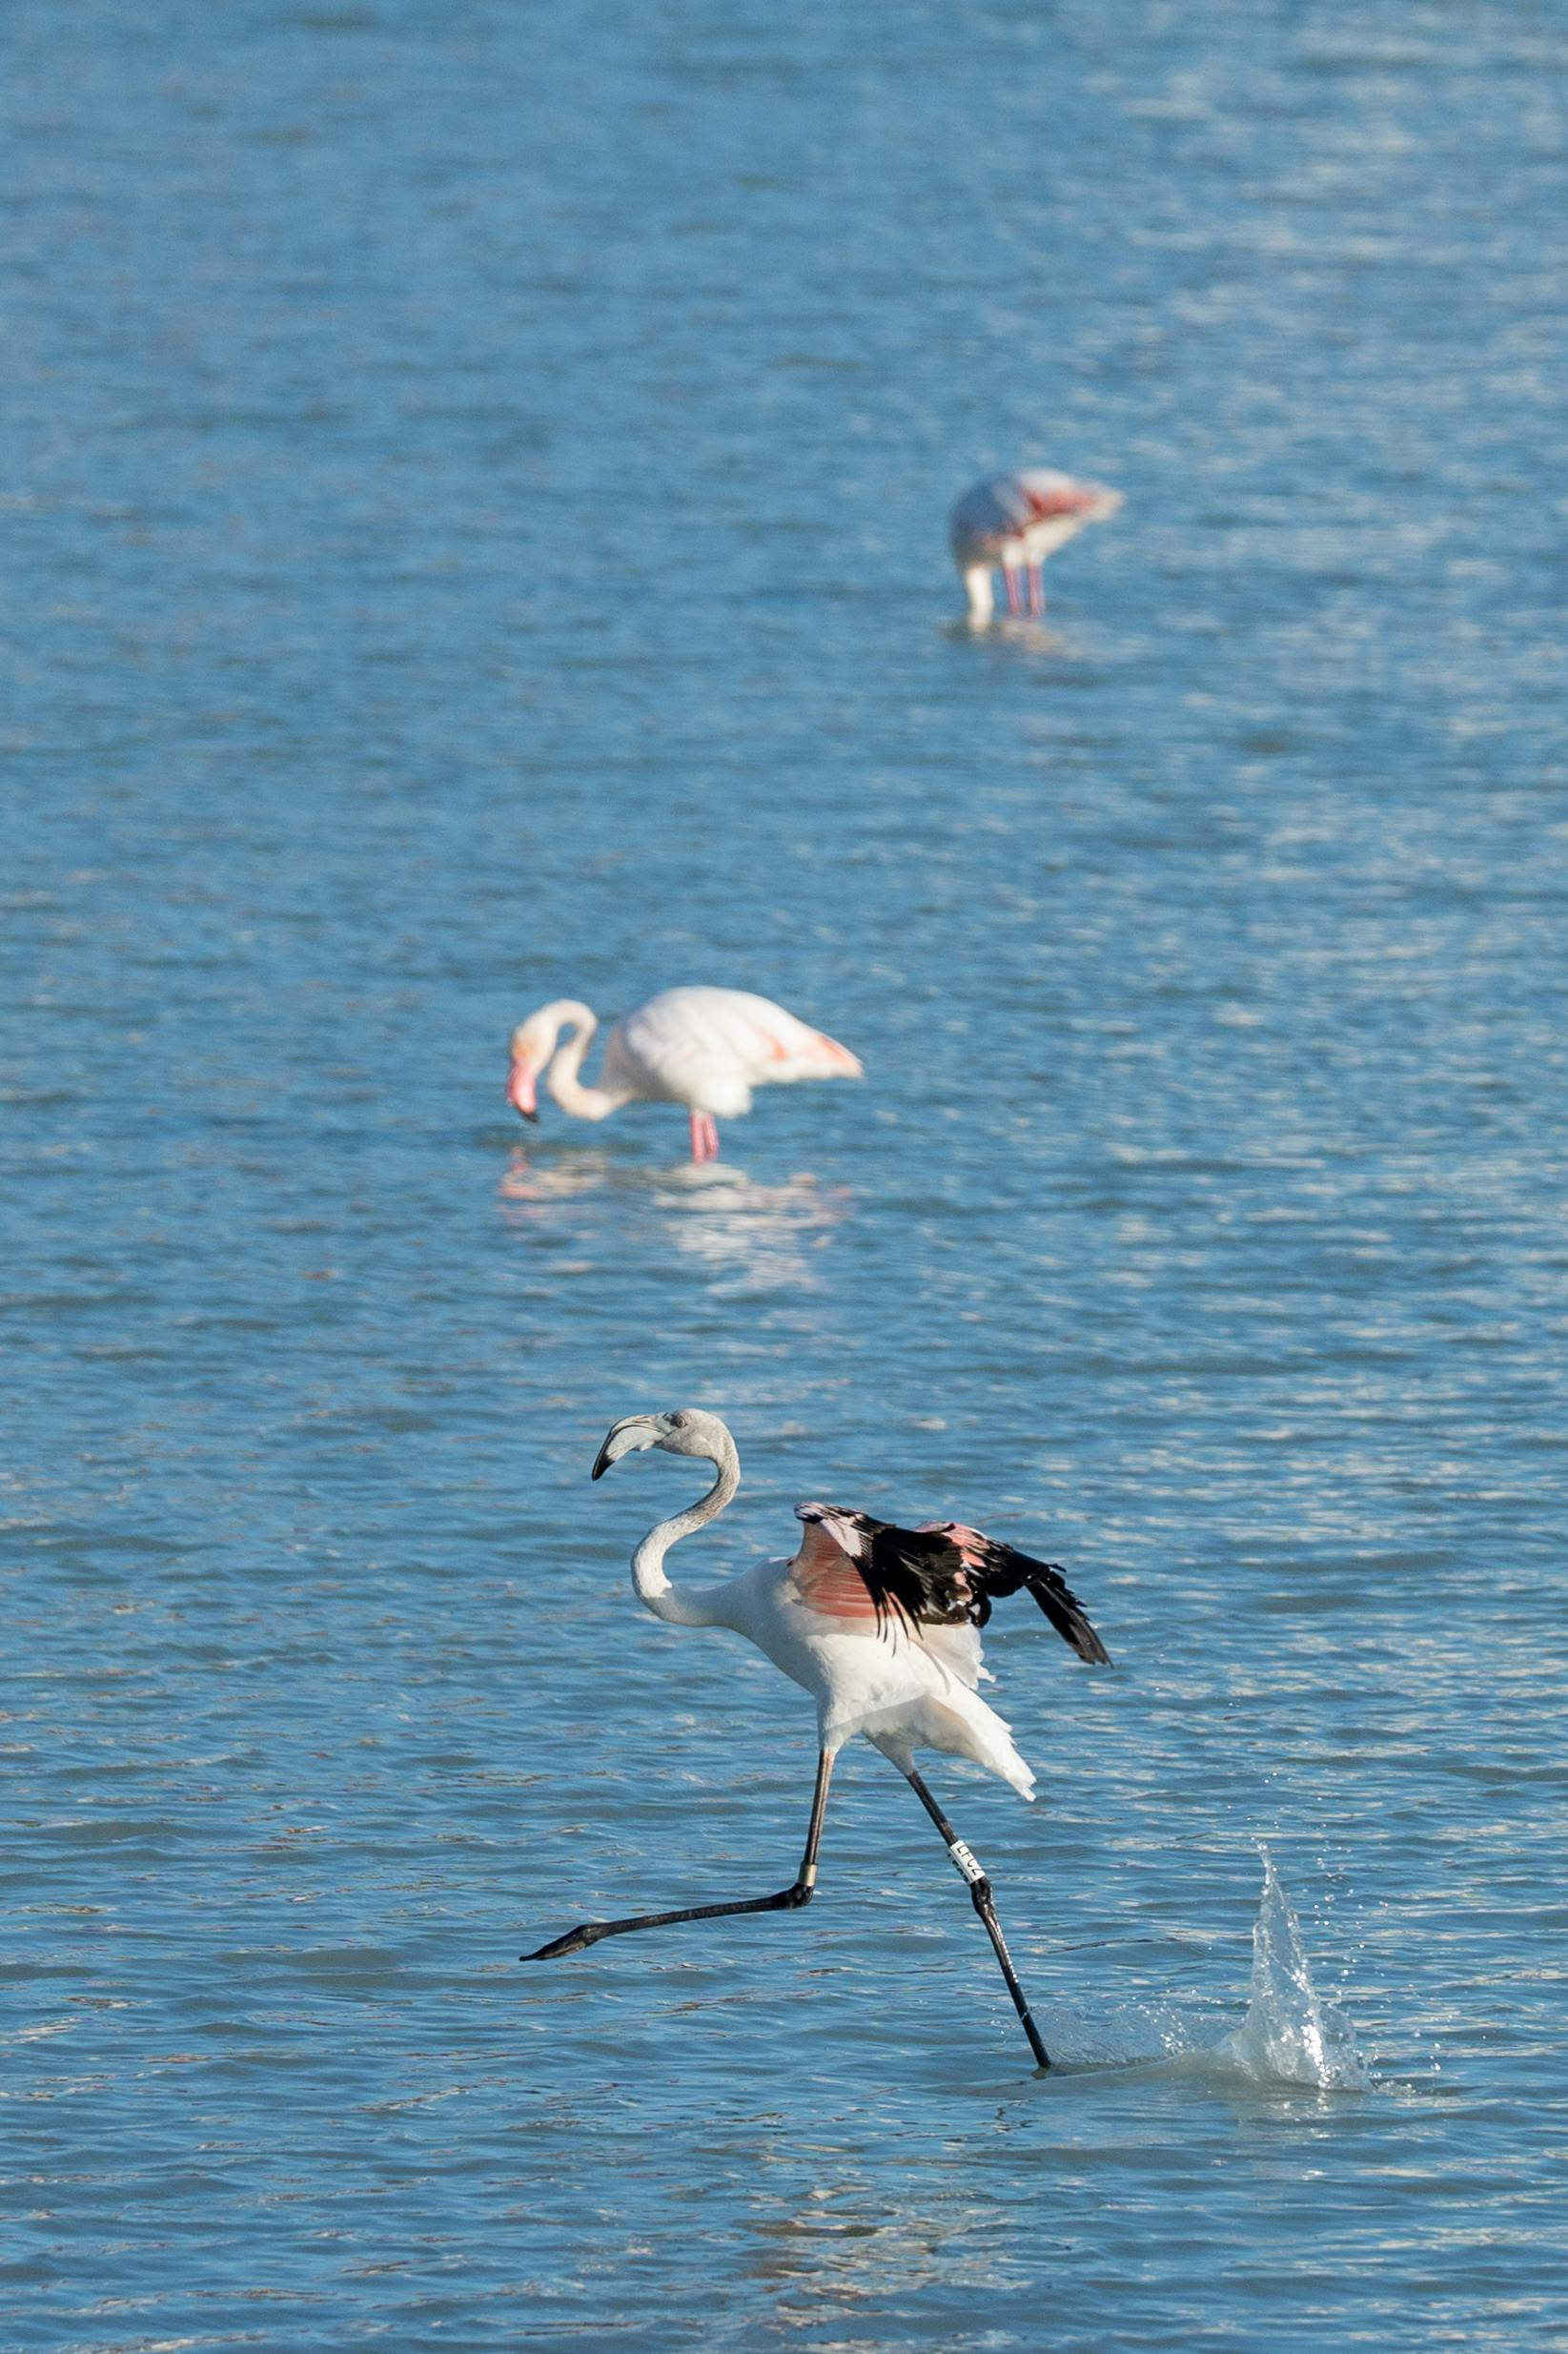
[705,1048]
[879,1624]
[1017,520]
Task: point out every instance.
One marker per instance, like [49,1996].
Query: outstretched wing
[850,1565]
[997,1570]
[913,1576]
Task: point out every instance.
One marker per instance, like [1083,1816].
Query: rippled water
[474,484]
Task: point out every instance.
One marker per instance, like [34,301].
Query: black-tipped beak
[626,1438]
[520,1091]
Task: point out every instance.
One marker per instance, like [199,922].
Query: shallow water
[475,485]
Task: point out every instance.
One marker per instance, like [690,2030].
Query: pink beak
[520,1090]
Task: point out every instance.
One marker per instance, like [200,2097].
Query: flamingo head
[686,1430]
[532,1044]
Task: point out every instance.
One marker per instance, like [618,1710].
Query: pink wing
[1047,493]
[827,1580]
[934,1585]
[862,1576]
[1004,505]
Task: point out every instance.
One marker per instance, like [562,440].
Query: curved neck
[977,583]
[653,1587]
[561,1078]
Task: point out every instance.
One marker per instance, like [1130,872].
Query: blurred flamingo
[1017,520]
[879,1624]
[705,1048]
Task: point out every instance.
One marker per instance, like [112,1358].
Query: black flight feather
[917,1576]
[998,1570]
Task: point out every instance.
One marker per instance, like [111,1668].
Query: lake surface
[473,485]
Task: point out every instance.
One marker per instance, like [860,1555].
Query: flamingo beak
[627,1438]
[520,1088]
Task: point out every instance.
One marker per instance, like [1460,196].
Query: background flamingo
[1017,520]
[879,1624]
[705,1048]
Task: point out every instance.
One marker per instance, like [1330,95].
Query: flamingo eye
[678,1421]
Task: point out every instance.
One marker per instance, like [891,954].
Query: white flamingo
[1016,521]
[705,1048]
[879,1624]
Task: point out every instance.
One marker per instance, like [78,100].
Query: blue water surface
[472,484]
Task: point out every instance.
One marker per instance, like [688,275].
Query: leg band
[965,1862]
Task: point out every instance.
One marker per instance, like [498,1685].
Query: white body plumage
[903,1689]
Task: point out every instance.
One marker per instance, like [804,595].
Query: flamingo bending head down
[1016,521]
[704,1048]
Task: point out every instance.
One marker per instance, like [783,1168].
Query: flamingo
[1017,520]
[705,1048]
[879,1624]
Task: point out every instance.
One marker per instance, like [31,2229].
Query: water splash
[1290,2034]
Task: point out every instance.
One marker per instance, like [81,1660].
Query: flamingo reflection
[736,1229]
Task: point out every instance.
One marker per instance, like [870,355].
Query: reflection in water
[1015,631]
[531,1183]
[843,2243]
[760,1235]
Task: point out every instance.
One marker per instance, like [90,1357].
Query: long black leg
[980,1891]
[786,1900]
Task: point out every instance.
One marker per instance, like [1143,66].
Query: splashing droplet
[1288,2035]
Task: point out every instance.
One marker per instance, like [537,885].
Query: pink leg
[1011,579]
[698,1140]
[1037,590]
[711,1130]
[705,1137]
